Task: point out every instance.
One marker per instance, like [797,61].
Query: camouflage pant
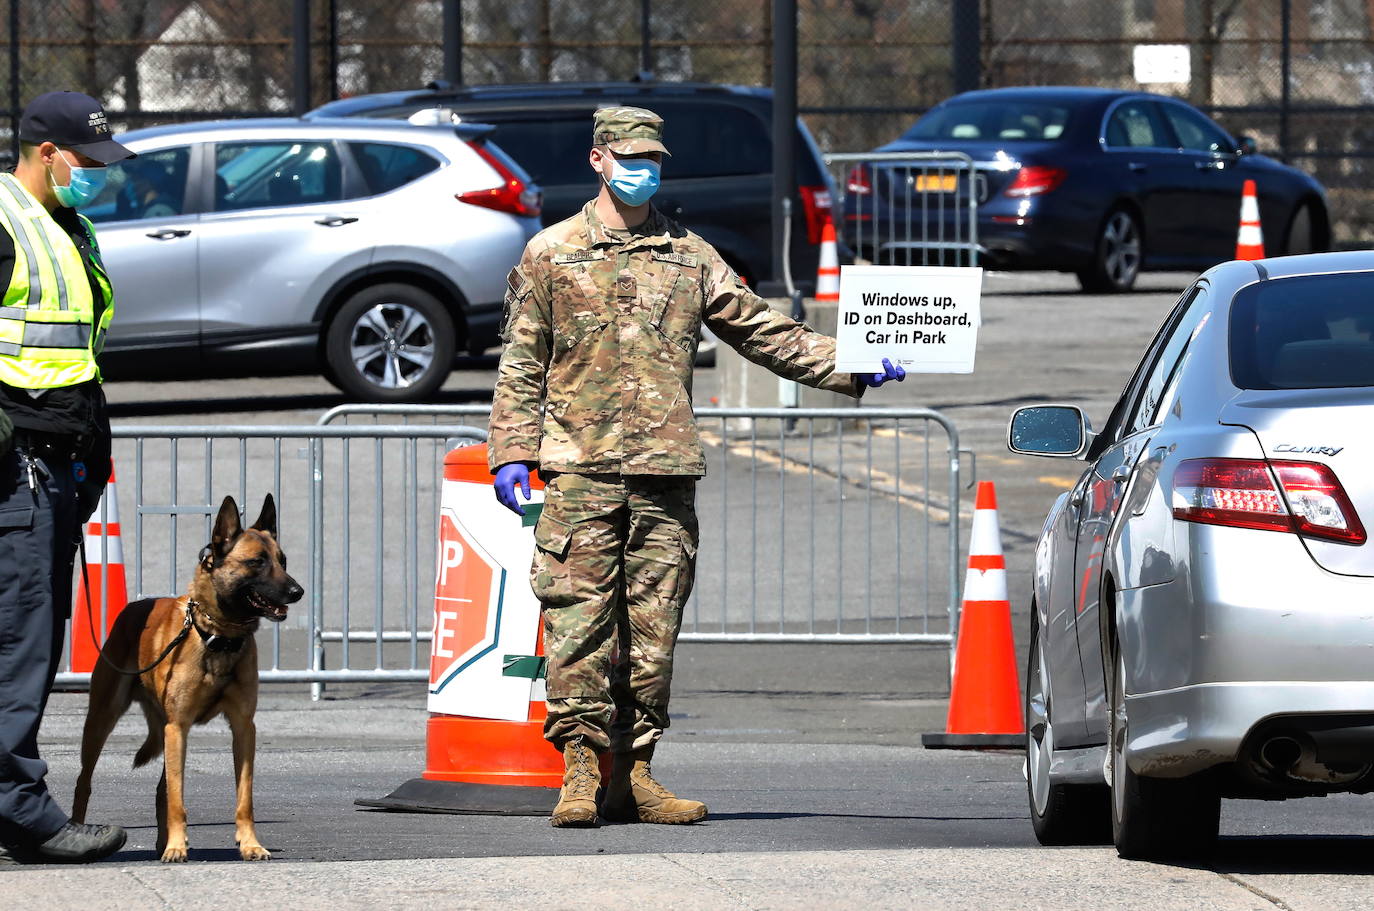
[613,566]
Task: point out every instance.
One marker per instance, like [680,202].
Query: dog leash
[90,622]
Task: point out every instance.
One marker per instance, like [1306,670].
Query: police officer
[595,389]
[56,443]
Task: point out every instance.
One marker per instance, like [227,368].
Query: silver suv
[372,251]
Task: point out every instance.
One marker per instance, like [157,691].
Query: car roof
[331,126]
[539,91]
[1314,263]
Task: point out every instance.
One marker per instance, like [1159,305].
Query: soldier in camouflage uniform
[595,389]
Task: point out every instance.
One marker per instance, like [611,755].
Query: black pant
[38,532]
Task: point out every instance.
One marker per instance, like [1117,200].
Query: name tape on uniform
[924,318]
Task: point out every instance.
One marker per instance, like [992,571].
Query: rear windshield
[1309,332]
[1028,121]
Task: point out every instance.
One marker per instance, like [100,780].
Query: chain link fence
[1298,75]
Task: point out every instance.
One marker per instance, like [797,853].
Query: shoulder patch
[686,260]
[577,256]
[518,283]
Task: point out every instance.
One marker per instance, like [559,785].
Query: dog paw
[174,855]
[254,852]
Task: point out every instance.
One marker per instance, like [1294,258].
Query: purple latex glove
[508,477]
[889,373]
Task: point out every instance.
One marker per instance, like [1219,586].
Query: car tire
[1117,255]
[1061,814]
[390,343]
[1156,818]
[1298,238]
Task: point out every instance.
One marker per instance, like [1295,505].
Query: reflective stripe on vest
[47,338]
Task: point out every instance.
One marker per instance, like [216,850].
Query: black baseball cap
[73,121]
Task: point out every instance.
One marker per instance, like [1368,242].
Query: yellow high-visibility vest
[48,331]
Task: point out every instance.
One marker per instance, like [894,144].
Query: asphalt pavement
[808,755]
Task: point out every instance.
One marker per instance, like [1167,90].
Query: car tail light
[1301,497]
[513,195]
[859,182]
[1034,180]
[816,204]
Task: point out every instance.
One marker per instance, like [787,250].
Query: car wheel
[1061,814]
[390,343]
[1117,256]
[1156,817]
[1298,238]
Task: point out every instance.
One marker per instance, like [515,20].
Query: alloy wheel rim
[391,345]
[1039,732]
[1121,243]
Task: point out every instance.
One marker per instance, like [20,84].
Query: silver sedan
[1203,624]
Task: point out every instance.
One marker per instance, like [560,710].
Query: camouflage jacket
[601,330]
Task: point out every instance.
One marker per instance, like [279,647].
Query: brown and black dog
[211,670]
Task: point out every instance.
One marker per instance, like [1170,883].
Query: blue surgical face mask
[84,186]
[634,180]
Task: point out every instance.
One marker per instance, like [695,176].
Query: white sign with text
[924,318]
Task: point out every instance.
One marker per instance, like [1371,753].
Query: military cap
[628,131]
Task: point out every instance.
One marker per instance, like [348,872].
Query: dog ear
[267,519]
[227,528]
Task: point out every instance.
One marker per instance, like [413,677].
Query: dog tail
[152,747]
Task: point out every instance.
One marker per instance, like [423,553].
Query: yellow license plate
[936,183]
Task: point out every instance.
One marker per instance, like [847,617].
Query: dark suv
[718,181]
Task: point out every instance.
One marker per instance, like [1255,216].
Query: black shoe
[77,843]
[6,858]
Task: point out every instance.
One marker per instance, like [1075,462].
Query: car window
[1307,332]
[1155,392]
[1195,132]
[153,185]
[250,175]
[1136,125]
[1034,121]
[714,140]
[386,167]
[553,150]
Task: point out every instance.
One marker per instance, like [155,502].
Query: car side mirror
[1057,431]
[1246,145]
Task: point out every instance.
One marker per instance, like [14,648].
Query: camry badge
[1320,450]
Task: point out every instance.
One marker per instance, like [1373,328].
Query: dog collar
[213,642]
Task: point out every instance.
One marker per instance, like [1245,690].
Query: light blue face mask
[84,186]
[634,180]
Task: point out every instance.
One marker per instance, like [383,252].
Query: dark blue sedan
[1098,182]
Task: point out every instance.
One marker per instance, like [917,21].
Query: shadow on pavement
[731,817]
[1294,854]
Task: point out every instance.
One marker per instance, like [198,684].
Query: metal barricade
[819,525]
[909,208]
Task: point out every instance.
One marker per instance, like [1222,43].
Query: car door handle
[168,233]
[1138,167]
[1208,165]
[333,221]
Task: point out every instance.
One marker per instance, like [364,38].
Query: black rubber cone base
[973,741]
[420,795]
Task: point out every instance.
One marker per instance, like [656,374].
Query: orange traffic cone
[108,593]
[485,752]
[828,274]
[1250,239]
[985,700]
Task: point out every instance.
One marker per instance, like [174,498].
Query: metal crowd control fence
[818,525]
[909,208]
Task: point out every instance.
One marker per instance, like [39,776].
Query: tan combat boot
[633,794]
[581,777]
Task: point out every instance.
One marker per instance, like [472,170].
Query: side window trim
[1187,112]
[1196,293]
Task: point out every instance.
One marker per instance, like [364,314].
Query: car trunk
[1334,427]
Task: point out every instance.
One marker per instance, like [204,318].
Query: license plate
[936,183]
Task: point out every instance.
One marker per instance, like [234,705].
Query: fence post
[784,121]
[14,79]
[966,33]
[1285,69]
[300,39]
[453,42]
[646,48]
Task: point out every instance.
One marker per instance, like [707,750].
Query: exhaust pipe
[1280,753]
